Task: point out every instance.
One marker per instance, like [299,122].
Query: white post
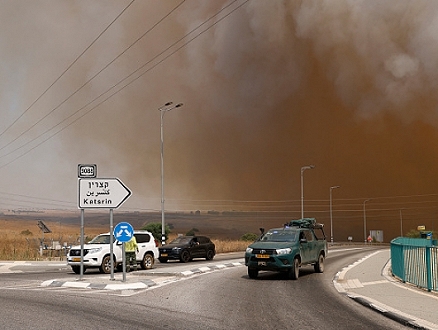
[163,109]
[302,187]
[331,213]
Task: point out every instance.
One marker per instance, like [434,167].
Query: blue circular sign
[123,232]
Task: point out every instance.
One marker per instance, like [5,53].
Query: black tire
[294,272]
[185,256]
[105,267]
[163,260]
[319,266]
[147,262]
[253,273]
[76,269]
[210,255]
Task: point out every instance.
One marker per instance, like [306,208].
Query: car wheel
[210,255]
[294,272]
[147,262]
[76,269]
[163,260]
[319,266]
[185,256]
[105,267]
[253,273]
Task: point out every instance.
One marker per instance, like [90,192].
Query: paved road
[366,281]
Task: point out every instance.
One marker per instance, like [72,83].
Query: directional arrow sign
[102,193]
[123,232]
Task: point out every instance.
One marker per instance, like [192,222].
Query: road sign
[123,232]
[87,170]
[102,193]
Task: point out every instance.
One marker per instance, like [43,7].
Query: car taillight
[157,243]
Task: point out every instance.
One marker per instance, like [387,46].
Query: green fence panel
[414,260]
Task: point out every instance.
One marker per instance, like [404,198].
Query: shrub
[249,237]
[192,232]
[155,229]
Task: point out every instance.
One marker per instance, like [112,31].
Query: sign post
[85,171]
[99,193]
[123,232]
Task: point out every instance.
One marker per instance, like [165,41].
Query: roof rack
[305,223]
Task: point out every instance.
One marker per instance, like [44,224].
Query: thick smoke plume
[349,86]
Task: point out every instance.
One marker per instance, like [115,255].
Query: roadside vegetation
[18,242]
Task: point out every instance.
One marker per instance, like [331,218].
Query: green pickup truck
[300,242]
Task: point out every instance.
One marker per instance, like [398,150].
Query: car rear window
[142,238]
[203,240]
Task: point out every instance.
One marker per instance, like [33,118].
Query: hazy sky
[268,87]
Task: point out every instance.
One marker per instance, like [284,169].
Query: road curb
[387,313]
[384,310]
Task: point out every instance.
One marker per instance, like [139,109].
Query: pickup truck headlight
[283,251]
[248,250]
[95,250]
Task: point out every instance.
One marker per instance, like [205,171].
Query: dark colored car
[185,248]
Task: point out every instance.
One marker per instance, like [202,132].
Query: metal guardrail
[415,261]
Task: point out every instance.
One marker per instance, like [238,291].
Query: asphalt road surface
[223,299]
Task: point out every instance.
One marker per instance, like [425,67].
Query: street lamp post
[331,213]
[167,107]
[365,221]
[309,167]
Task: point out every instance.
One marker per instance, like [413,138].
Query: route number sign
[87,170]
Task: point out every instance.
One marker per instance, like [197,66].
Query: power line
[62,74]
[89,80]
[33,200]
[121,88]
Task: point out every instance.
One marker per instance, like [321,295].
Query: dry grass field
[21,237]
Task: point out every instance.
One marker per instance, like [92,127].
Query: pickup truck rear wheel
[294,272]
[253,273]
[319,266]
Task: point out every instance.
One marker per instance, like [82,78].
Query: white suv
[97,253]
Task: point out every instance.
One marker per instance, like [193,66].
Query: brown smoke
[348,86]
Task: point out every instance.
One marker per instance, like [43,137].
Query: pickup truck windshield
[280,236]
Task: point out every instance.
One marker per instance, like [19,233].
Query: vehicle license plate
[262,256]
[163,254]
[76,259]
[262,263]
